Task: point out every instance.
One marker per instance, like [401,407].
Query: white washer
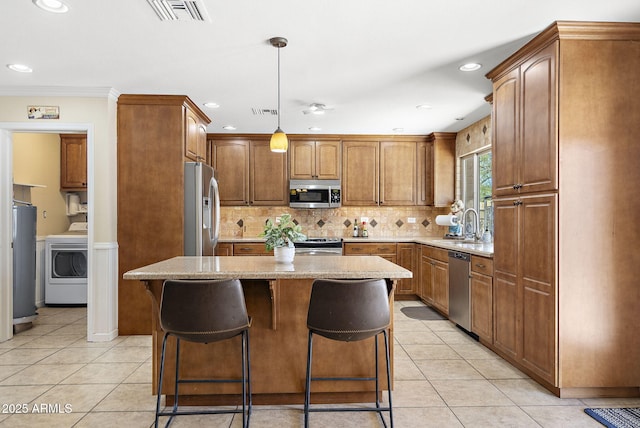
[66,267]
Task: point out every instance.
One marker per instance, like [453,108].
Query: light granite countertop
[476,248]
[261,267]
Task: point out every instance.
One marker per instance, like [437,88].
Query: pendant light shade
[279,142]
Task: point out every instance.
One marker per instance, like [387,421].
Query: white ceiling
[372,61]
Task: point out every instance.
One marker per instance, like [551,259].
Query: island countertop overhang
[262,267]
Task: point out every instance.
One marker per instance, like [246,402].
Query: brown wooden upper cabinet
[248,172]
[195,137]
[315,159]
[379,173]
[525,141]
[73,162]
[397,173]
[376,170]
[360,172]
[230,160]
[442,164]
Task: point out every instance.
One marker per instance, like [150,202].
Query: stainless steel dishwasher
[459,290]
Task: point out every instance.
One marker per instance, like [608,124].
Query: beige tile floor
[443,378]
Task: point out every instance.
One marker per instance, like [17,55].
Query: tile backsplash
[388,222]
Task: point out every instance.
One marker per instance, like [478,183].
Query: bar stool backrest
[348,310]
[203,310]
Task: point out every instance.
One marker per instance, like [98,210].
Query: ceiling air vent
[264,111]
[179,10]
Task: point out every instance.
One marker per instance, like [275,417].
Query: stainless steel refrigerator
[201,210]
[24,263]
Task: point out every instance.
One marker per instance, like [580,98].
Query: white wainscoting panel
[102,298]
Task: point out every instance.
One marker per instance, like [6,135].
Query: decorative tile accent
[468,137]
[399,223]
[484,129]
[248,222]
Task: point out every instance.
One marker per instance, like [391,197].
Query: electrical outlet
[277,220]
[411,220]
[364,219]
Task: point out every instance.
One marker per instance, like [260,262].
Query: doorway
[7,131]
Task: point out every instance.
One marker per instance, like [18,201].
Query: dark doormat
[424,313]
[616,417]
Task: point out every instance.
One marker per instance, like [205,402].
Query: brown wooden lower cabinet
[434,277]
[482,298]
[251,249]
[224,249]
[402,253]
[406,257]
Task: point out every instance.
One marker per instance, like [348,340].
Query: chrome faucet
[476,226]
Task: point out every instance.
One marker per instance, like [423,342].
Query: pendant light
[279,142]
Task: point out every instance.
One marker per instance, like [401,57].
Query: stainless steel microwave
[314,193]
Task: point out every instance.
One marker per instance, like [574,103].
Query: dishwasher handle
[460,256]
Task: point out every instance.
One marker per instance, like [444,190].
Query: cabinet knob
[517,203]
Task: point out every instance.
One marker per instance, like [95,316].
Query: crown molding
[59,91]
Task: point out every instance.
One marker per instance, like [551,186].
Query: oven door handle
[319,251]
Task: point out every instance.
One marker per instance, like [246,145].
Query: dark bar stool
[349,311]
[205,312]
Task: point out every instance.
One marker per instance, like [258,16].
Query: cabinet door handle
[480,265]
[517,203]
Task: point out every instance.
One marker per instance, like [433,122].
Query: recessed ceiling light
[398,129]
[471,66]
[315,128]
[20,68]
[229,127]
[459,118]
[424,107]
[211,105]
[55,6]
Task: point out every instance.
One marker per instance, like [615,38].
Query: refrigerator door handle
[214,194]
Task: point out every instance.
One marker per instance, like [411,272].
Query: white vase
[284,254]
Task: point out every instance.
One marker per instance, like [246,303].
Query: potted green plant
[280,236]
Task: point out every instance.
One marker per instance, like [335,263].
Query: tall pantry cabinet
[157,134]
[565,155]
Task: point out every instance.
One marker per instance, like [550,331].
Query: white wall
[93,111]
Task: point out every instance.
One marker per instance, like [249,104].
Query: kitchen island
[277,297]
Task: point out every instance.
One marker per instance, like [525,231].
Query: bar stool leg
[246,379]
[386,351]
[307,394]
[175,395]
[375,341]
[164,347]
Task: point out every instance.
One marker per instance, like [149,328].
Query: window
[475,176]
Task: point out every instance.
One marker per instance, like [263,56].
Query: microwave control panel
[335,196]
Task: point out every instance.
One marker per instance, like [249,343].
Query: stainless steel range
[319,247]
